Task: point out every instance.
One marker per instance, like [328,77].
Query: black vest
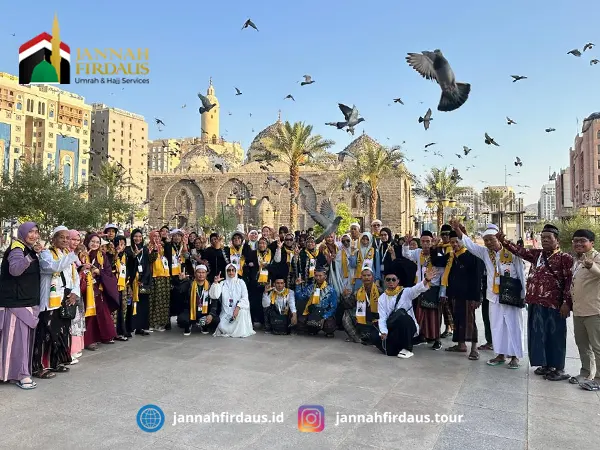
[24,290]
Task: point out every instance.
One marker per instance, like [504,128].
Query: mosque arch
[183,204]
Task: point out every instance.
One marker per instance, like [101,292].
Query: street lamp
[445,202]
[253,200]
[231,199]
[429,202]
[452,202]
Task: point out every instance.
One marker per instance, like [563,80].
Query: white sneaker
[73,361]
[160,329]
[149,330]
[405,354]
[77,355]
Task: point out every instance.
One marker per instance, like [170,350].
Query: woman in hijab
[139,278]
[19,306]
[122,317]
[101,296]
[365,257]
[252,239]
[234,320]
[78,323]
[160,296]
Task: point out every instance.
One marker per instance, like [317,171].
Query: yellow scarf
[446,247]
[263,261]
[315,297]
[425,262]
[289,256]
[449,265]
[361,300]
[176,258]
[506,257]
[120,264]
[56,295]
[359,261]
[394,292]
[160,267]
[311,257]
[237,252]
[90,301]
[193,299]
[283,294]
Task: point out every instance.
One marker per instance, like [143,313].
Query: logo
[150,418]
[45,59]
[311,418]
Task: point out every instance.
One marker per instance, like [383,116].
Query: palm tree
[372,162]
[108,183]
[295,146]
[439,188]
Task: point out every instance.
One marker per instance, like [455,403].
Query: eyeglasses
[288,240]
[377,225]
[392,279]
[345,241]
[230,270]
[580,241]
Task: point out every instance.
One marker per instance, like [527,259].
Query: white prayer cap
[201,267]
[376,222]
[366,268]
[355,224]
[176,231]
[492,230]
[108,226]
[59,229]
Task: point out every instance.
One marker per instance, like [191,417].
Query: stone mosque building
[195,177]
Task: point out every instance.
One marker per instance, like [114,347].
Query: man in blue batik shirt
[321,303]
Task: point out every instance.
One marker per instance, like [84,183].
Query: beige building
[506,210]
[585,167]
[121,137]
[564,202]
[44,125]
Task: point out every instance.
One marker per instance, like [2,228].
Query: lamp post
[239,196]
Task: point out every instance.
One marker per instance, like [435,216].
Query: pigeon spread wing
[327,210]
[346,110]
[318,217]
[423,63]
[204,100]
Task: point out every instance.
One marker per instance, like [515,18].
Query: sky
[356,54]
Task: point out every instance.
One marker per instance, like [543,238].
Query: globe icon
[150,418]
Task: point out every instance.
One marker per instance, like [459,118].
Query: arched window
[19,106]
[354,202]
[214,138]
[598,135]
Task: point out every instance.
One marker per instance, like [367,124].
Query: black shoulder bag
[397,315]
[66,311]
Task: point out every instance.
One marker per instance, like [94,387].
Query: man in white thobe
[506,321]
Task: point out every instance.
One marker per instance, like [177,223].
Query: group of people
[389,292]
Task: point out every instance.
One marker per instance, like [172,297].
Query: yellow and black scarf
[506,257]
[194,297]
[315,296]
[361,302]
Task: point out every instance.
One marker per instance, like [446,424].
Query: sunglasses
[288,240]
[231,270]
[345,241]
[391,279]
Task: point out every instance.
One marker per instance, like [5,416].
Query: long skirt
[160,300]
[78,328]
[447,315]
[507,329]
[17,331]
[359,332]
[255,293]
[123,316]
[465,328]
[99,328]
[241,327]
[398,338]
[429,320]
[546,337]
[141,319]
[51,345]
[329,325]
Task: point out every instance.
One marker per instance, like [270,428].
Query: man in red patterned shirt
[549,299]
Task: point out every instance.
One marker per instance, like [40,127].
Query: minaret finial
[279,116]
[210,81]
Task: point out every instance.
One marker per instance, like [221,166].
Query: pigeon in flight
[510,121]
[289,96]
[237,91]
[459,155]
[183,106]
[574,52]
[588,46]
[350,116]
[433,66]
[249,23]
[490,140]
[160,122]
[518,162]
[326,217]
[430,144]
[594,61]
[398,100]
[339,125]
[307,80]
[206,104]
[425,120]
[550,130]
[466,150]
[518,77]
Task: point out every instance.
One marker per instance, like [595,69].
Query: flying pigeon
[160,122]
[206,104]
[398,100]
[518,162]
[430,144]
[588,46]
[466,150]
[518,77]
[489,140]
[350,116]
[510,121]
[289,96]
[574,52]
[249,23]
[326,218]
[550,130]
[307,80]
[237,91]
[433,66]
[339,125]
[594,61]
[459,155]
[425,120]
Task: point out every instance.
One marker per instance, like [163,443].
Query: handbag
[430,299]
[65,310]
[280,323]
[397,316]
[510,292]
[315,317]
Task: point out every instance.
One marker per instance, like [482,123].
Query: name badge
[175,261]
[318,291]
[123,272]
[140,268]
[165,263]
[235,260]
[497,281]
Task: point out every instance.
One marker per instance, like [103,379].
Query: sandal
[496,362]
[542,371]
[513,364]
[556,375]
[576,379]
[44,375]
[27,385]
[485,347]
[474,356]
[446,334]
[121,338]
[456,349]
[60,369]
[112,341]
[589,385]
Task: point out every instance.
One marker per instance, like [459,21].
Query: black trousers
[398,338]
[485,312]
[142,318]
[255,293]
[546,337]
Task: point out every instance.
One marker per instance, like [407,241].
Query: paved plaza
[95,405]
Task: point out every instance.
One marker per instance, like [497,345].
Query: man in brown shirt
[585,292]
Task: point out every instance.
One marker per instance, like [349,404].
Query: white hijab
[363,249]
[232,285]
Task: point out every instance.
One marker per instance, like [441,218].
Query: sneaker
[418,341]
[77,355]
[73,361]
[405,354]
[161,329]
[437,345]
[187,331]
[204,330]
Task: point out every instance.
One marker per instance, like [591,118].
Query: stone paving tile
[452,438]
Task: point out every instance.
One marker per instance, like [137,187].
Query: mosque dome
[257,146]
[359,142]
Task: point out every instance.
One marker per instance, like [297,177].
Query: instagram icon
[311,418]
